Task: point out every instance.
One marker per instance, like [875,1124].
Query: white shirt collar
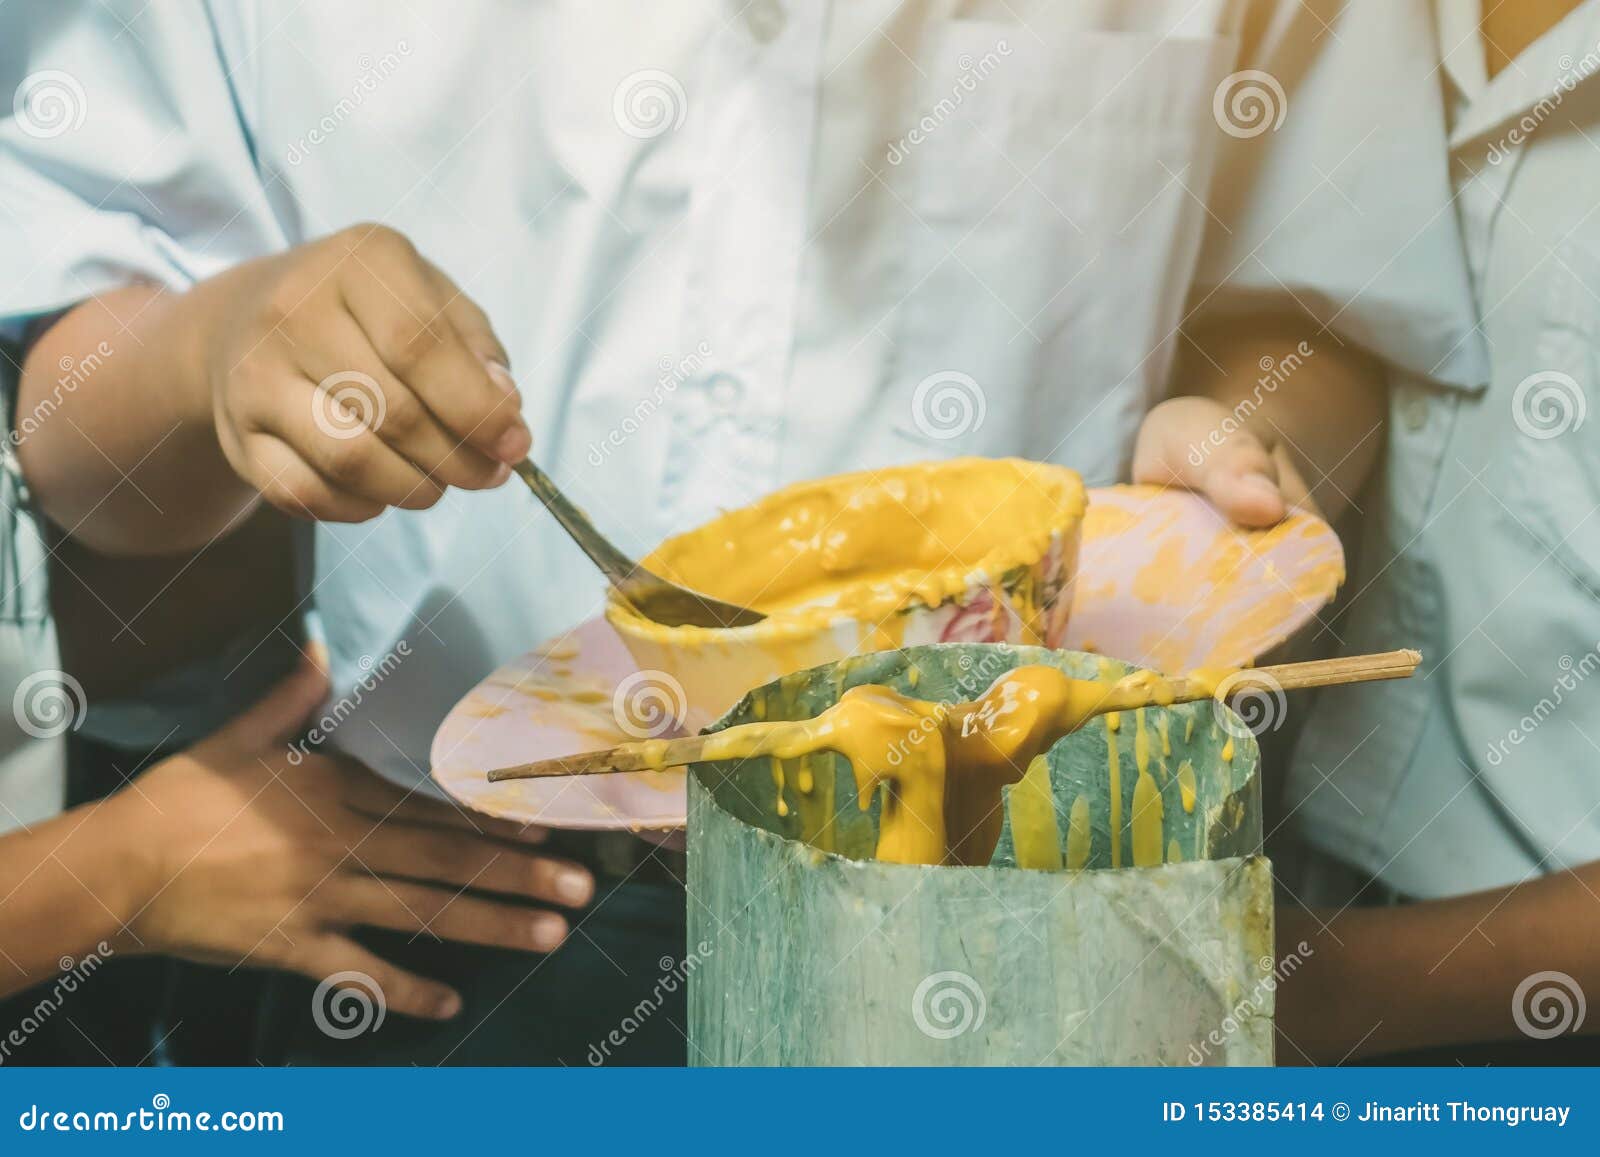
[1550,68]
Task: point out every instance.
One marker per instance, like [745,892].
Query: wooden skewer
[1124,695]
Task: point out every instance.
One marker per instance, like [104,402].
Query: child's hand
[1198,444]
[242,854]
[349,375]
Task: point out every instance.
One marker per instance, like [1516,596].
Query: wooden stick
[1126,694]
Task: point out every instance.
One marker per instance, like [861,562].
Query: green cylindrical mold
[811,953]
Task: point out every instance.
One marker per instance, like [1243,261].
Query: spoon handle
[616,566]
[649,594]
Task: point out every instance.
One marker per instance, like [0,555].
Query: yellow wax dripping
[1114,787]
[1080,837]
[1147,823]
[1186,786]
[1034,831]
[777,783]
[938,770]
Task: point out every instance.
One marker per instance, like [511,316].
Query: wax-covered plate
[1163,581]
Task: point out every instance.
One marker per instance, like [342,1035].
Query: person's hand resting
[238,855]
[1198,444]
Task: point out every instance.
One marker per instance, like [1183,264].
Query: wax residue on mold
[1034,831]
[1224,581]
[939,771]
[1080,838]
[1146,824]
[1186,786]
[1114,788]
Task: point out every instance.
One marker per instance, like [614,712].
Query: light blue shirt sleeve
[1333,195]
[123,158]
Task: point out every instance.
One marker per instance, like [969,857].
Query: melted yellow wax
[1147,826]
[903,750]
[1147,823]
[1204,577]
[869,546]
[1034,831]
[1114,788]
[1080,838]
[1186,786]
[938,770]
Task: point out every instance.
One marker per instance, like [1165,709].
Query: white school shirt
[1485,550]
[734,244]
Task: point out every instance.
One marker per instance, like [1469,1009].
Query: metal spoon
[648,593]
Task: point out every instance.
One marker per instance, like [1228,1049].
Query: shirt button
[766,19]
[725,392]
[1413,412]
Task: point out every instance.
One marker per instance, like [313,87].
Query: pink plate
[1163,582]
